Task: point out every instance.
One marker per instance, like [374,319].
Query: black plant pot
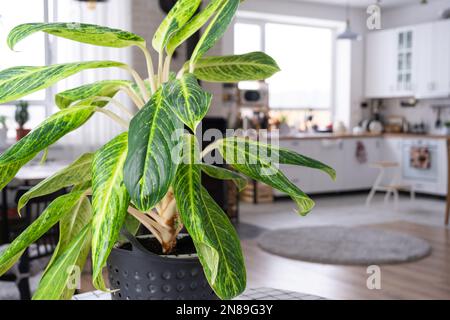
[137,274]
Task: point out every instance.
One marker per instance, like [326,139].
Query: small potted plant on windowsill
[149,175]
[3,131]
[22,116]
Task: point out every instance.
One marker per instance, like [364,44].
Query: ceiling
[365,3]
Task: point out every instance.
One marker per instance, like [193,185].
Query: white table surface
[249,294]
[36,171]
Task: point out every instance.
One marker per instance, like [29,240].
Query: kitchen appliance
[420,161]
[258,97]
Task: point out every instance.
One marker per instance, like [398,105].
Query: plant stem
[160,68]
[166,71]
[150,68]
[209,149]
[119,104]
[114,117]
[145,221]
[180,73]
[139,82]
[134,97]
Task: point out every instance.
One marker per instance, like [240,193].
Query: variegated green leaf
[72,223]
[177,17]
[188,100]
[107,88]
[110,201]
[225,174]
[247,67]
[261,162]
[80,32]
[57,209]
[195,24]
[215,239]
[18,82]
[53,285]
[215,30]
[77,173]
[151,162]
[47,133]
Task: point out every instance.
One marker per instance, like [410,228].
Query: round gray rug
[344,245]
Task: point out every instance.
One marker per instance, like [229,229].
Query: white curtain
[113,13]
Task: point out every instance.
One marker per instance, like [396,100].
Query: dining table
[28,175]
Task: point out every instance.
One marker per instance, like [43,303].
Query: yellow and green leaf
[78,172]
[151,162]
[194,25]
[54,285]
[80,32]
[229,69]
[188,100]
[110,202]
[47,133]
[261,162]
[225,174]
[176,19]
[106,88]
[51,215]
[215,239]
[18,82]
[215,30]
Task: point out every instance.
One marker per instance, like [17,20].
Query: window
[305,55]
[32,51]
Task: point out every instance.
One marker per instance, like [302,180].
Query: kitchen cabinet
[390,57]
[354,173]
[358,175]
[300,176]
[340,154]
[433,64]
[412,61]
[380,64]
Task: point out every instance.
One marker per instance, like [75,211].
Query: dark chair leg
[24,289]
[24,283]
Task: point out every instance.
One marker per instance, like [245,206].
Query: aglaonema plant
[148,175]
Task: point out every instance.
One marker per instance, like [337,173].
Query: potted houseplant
[3,131]
[150,174]
[22,116]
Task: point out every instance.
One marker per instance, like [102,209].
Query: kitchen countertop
[313,136]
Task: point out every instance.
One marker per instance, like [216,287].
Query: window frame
[46,103]
[261,22]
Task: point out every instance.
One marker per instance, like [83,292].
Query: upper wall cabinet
[433,64]
[410,61]
[380,64]
[390,63]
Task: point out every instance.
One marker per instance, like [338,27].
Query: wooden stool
[392,188]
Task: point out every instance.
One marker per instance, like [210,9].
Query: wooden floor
[425,279]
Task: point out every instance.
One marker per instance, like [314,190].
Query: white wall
[413,14]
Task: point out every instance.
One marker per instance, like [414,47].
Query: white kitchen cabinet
[300,176]
[409,61]
[358,174]
[390,60]
[330,152]
[433,64]
[392,149]
[380,64]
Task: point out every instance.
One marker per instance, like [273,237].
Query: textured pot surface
[141,275]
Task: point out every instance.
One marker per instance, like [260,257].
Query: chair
[393,187]
[38,254]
